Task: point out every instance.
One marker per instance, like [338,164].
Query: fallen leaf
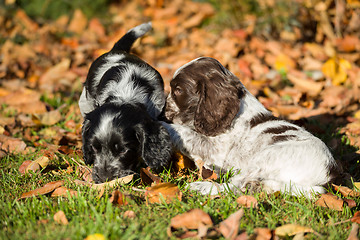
[24,166]
[47,188]
[331,201]
[148,177]
[345,191]
[356,217]
[78,22]
[262,234]
[32,167]
[191,219]
[63,191]
[11,144]
[163,191]
[43,161]
[291,230]
[95,236]
[84,173]
[347,43]
[350,202]
[117,198]
[47,118]
[354,233]
[229,227]
[247,201]
[60,218]
[182,162]
[284,63]
[129,214]
[118,181]
[306,85]
[336,70]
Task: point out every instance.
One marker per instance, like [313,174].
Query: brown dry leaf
[113,183]
[262,234]
[43,161]
[47,80]
[163,191]
[192,219]
[345,191]
[78,22]
[208,174]
[47,118]
[331,201]
[85,173]
[229,227]
[33,167]
[47,188]
[348,43]
[24,166]
[11,145]
[356,217]
[291,230]
[63,191]
[247,201]
[354,233]
[117,198]
[129,214]
[148,178]
[60,218]
[306,85]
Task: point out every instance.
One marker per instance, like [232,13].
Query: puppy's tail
[125,43]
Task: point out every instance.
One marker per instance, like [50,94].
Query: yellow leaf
[283,63]
[291,229]
[96,236]
[329,68]
[336,69]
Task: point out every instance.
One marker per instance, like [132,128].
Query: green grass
[88,214]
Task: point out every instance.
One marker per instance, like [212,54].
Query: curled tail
[125,43]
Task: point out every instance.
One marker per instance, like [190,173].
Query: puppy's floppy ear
[155,144]
[220,94]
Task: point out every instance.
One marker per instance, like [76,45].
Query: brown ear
[220,95]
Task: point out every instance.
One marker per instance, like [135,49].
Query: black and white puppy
[121,100]
[216,119]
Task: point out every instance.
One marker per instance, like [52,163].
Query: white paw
[206,188]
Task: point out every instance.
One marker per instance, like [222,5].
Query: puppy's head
[118,138]
[205,96]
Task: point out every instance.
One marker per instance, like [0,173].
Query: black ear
[220,95]
[155,144]
[88,151]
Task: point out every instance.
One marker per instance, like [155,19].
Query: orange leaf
[63,191]
[247,201]
[149,178]
[163,191]
[356,217]
[47,188]
[229,227]
[24,166]
[345,191]
[331,201]
[192,219]
[182,162]
[60,218]
[129,214]
[118,198]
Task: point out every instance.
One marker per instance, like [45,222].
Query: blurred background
[299,57]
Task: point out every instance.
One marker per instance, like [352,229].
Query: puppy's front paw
[206,188]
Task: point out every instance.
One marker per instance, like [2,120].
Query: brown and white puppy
[216,119]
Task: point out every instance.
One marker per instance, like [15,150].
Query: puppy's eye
[97,146]
[117,148]
[178,91]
